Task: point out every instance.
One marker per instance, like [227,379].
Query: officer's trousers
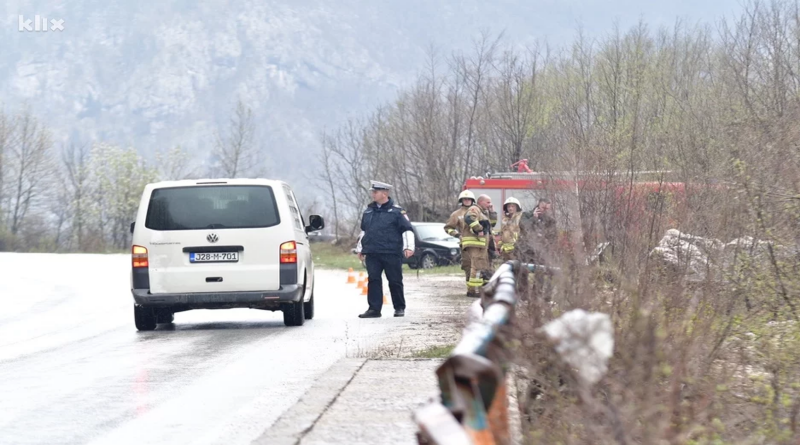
[478,262]
[392,265]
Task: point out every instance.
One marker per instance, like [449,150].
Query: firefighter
[475,231]
[509,233]
[466,199]
[485,203]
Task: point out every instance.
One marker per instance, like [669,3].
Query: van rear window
[212,207]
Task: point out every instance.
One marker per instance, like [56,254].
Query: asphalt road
[74,370]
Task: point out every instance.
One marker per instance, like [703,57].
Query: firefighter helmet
[466,194]
[512,200]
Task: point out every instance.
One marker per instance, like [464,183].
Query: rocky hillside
[154,74]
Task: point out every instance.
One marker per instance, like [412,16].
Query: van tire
[165,317]
[294,314]
[309,307]
[144,317]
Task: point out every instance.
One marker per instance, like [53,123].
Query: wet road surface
[74,370]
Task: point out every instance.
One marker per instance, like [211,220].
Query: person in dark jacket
[386,237]
[539,233]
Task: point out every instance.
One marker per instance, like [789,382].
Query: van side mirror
[132,226]
[315,223]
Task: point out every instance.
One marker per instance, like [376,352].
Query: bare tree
[62,209]
[77,178]
[235,149]
[517,94]
[328,180]
[475,72]
[30,168]
[7,134]
[175,164]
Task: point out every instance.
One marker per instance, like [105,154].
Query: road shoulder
[292,425]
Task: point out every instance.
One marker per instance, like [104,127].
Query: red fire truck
[580,204]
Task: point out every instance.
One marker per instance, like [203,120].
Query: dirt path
[435,317]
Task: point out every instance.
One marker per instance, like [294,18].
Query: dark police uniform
[385,233]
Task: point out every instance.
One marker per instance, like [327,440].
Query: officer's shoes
[370,314]
[399,312]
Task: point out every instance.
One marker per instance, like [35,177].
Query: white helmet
[512,200]
[466,194]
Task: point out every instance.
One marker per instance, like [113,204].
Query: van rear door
[213,238]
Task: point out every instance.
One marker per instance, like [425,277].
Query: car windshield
[432,232]
[212,207]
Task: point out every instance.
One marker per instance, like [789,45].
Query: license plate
[214,257]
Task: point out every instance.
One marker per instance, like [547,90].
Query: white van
[218,244]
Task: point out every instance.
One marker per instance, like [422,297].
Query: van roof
[217,181]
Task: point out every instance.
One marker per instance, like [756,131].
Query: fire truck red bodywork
[629,203]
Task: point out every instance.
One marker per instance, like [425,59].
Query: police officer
[386,237]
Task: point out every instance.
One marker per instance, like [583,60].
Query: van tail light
[289,252]
[139,257]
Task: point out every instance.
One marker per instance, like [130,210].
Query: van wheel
[309,307]
[144,317]
[294,314]
[165,316]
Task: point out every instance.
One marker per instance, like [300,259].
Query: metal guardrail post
[474,404]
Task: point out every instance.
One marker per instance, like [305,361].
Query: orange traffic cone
[351,277]
[361,275]
[364,290]
[362,283]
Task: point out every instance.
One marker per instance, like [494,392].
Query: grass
[327,255]
[438,351]
[334,257]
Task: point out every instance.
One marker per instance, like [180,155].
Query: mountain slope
[154,74]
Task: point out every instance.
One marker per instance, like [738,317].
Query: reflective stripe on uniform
[474,224]
[507,247]
[475,282]
[473,241]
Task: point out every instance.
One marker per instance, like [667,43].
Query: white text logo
[40,24]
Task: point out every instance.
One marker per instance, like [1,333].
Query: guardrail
[473,407]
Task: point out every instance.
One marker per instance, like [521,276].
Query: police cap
[376,185]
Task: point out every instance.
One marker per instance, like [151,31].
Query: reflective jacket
[491,216]
[452,224]
[509,233]
[474,222]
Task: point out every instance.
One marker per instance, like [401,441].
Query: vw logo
[212,238]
